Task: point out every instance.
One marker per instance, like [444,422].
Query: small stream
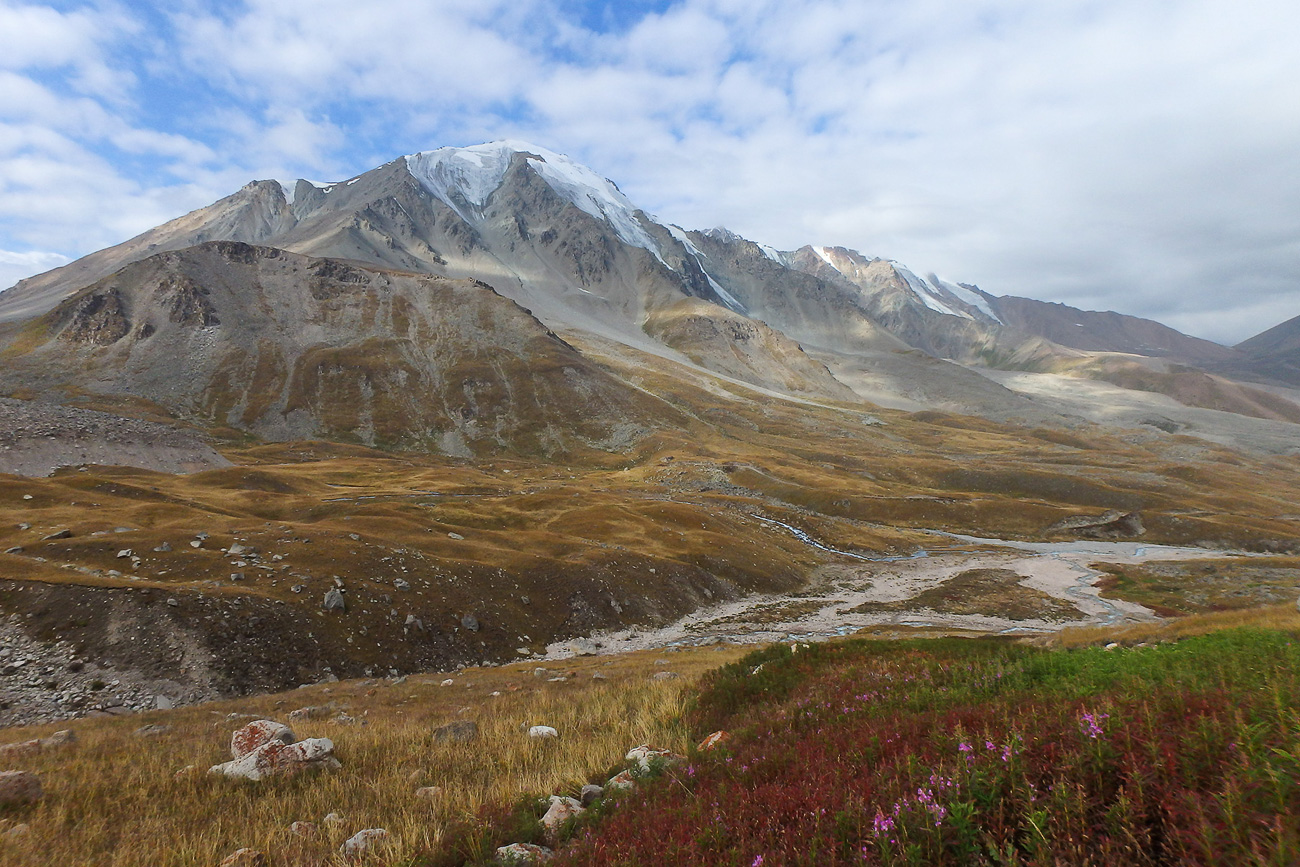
[1060,569]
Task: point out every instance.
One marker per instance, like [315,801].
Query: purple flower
[758,860]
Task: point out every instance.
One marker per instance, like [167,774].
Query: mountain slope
[291,347]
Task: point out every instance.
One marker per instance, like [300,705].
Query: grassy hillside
[983,752]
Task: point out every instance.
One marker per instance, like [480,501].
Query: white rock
[279,759]
[543,732]
[562,809]
[523,854]
[363,841]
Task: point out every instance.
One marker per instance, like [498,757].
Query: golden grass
[1280,617]
[113,800]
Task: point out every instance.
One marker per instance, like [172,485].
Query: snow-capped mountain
[566,245]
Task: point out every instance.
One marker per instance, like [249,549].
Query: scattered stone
[333,820]
[470,622]
[311,712]
[304,829]
[19,787]
[590,794]
[244,858]
[298,588]
[16,549]
[523,854]
[457,536]
[152,730]
[59,534]
[196,543]
[448,682]
[363,841]
[173,602]
[400,584]
[256,735]
[429,793]
[461,731]
[18,832]
[189,772]
[665,675]
[344,719]
[236,576]
[622,781]
[334,601]
[645,756]
[543,732]
[124,553]
[164,548]
[238,550]
[562,809]
[713,741]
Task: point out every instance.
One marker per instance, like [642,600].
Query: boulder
[334,601]
[470,622]
[562,809]
[461,731]
[277,759]
[20,750]
[244,858]
[713,741]
[523,854]
[19,787]
[256,735]
[363,842]
[590,794]
[543,732]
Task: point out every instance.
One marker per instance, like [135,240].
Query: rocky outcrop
[265,748]
[1111,525]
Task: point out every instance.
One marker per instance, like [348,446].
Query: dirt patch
[991,592]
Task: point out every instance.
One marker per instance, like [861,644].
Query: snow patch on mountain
[727,298]
[928,294]
[825,256]
[464,178]
[774,254]
[967,296]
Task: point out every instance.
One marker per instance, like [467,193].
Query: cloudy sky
[1133,155]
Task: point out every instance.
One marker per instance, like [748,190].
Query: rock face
[19,787]
[337,350]
[265,748]
[1111,525]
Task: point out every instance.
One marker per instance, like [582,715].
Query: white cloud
[1140,155]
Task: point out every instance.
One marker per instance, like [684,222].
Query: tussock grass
[113,800]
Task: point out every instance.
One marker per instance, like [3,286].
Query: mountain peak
[466,177]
